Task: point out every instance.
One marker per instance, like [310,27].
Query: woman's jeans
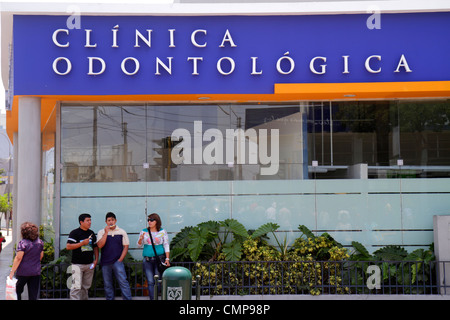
[150,269]
[118,269]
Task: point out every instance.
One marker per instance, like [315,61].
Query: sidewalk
[6,259]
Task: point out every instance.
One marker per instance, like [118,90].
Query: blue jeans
[150,269]
[119,271]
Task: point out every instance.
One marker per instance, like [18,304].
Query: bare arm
[102,240]
[16,263]
[96,256]
[124,253]
[73,246]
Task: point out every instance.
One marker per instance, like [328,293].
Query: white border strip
[273,8]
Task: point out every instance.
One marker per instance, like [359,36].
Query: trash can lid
[177,273]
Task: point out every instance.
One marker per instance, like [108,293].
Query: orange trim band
[282,92]
[366,90]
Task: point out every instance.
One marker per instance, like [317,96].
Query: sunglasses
[151,219]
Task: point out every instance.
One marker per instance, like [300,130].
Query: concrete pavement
[6,259]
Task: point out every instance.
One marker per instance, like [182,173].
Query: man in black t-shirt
[83,243]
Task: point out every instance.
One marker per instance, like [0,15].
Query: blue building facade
[340,122]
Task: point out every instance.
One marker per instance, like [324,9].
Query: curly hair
[157,218]
[29,231]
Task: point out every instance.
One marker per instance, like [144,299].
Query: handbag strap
[151,238]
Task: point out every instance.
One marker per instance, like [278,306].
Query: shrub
[265,268]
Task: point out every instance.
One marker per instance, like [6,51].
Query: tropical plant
[49,250]
[273,269]
[320,248]
[409,271]
[210,241]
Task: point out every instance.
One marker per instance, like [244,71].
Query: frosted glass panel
[129,211]
[374,212]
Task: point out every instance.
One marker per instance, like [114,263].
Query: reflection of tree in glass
[368,117]
[420,120]
[423,127]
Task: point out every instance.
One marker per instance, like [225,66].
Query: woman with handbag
[156,251]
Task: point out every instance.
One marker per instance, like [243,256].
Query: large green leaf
[235,227]
[361,250]
[198,237]
[265,229]
[388,270]
[415,269]
[178,254]
[420,255]
[308,233]
[232,250]
[181,239]
[211,225]
[391,253]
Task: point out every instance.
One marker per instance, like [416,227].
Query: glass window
[48,178]
[379,139]
[103,143]
[424,137]
[182,142]
[350,139]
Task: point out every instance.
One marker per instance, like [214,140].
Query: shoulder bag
[160,260]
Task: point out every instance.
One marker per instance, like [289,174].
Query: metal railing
[279,278]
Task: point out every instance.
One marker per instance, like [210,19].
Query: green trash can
[177,284]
